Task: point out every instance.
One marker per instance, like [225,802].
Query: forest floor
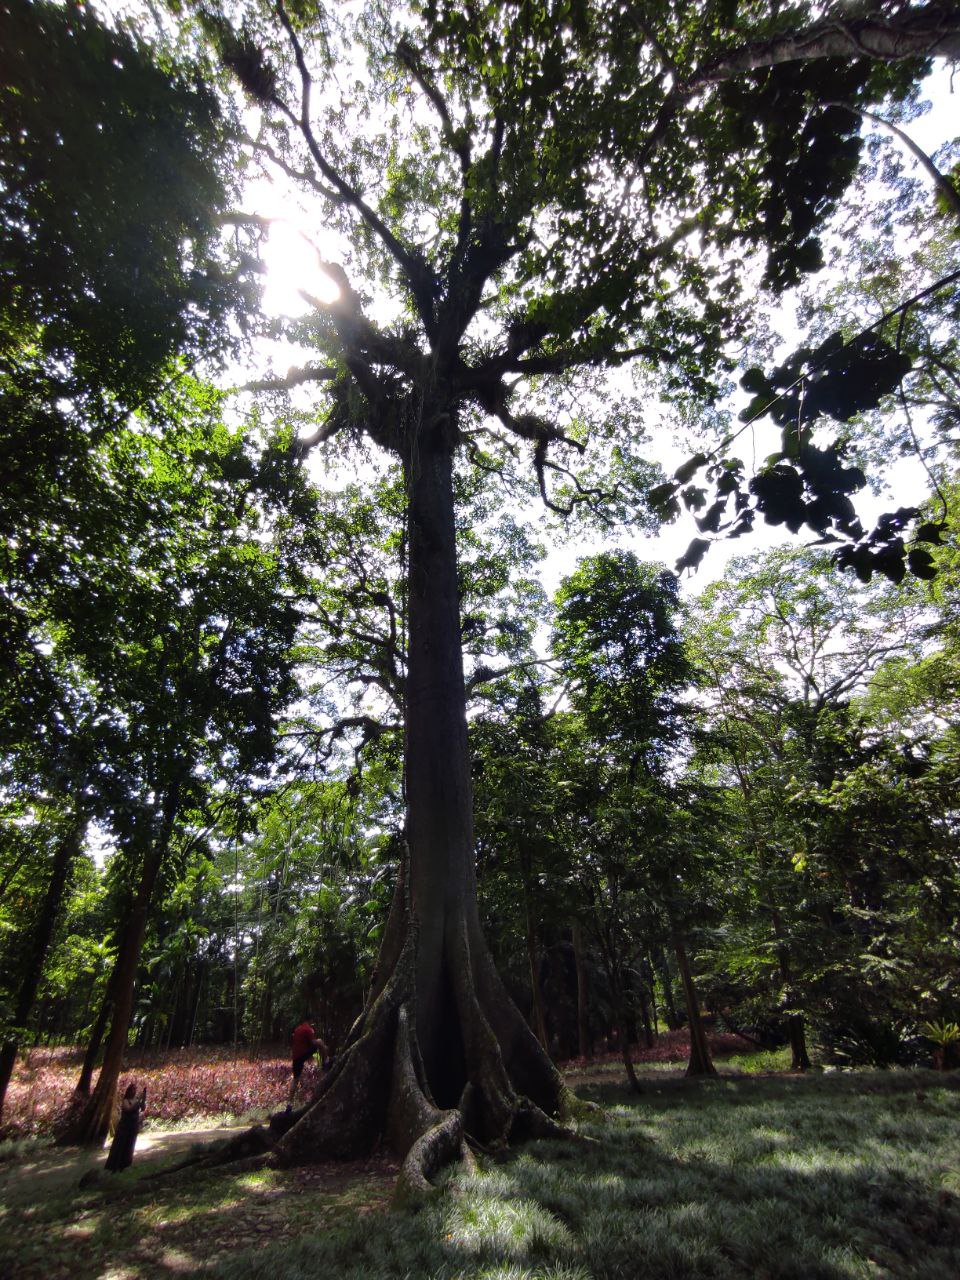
[834,1176]
[199,1086]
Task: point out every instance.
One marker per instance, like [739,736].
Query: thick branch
[458,143]
[929,32]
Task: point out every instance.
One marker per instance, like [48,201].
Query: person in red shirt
[304,1043]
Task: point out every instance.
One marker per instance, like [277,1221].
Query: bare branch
[240,219]
[486,675]
[326,431]
[419,274]
[410,58]
[572,358]
[299,175]
[941,181]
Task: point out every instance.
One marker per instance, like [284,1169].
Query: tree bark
[701,1064]
[67,851]
[584,1047]
[440,1051]
[93,1123]
[931,31]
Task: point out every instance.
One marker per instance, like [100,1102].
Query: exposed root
[573,1107]
[467,1158]
[350,1115]
[379,1089]
[245,1151]
[431,1151]
[530,1122]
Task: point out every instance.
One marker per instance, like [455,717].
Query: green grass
[833,1177]
[829,1177]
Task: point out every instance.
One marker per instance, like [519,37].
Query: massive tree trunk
[67,851]
[440,1053]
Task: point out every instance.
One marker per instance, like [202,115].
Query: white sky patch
[293,269]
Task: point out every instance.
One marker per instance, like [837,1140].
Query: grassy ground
[829,1177]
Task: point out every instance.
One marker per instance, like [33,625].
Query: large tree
[517,195]
[520,194]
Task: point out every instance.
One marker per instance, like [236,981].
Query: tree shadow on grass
[772,1209]
[782,1181]
[762,1179]
[131,1228]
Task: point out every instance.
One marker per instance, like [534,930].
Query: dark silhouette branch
[294,378]
[419,275]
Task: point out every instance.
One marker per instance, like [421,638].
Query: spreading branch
[941,181]
[932,31]
[293,378]
[421,278]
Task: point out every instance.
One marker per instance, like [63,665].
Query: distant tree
[619,645]
[787,648]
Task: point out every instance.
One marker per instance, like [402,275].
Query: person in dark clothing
[304,1043]
[128,1127]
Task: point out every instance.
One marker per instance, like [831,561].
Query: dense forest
[290,723]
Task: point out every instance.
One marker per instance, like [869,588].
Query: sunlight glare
[293,269]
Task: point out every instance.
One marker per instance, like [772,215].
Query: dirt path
[132,1228]
[56,1169]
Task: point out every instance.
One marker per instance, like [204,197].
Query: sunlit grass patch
[762,1060]
[486,1226]
[836,1177]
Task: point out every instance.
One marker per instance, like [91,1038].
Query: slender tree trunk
[799,1058]
[192,1025]
[623,1031]
[97,1032]
[533,962]
[645,1015]
[652,992]
[701,1064]
[93,1123]
[66,852]
[584,1047]
[13,871]
[666,978]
